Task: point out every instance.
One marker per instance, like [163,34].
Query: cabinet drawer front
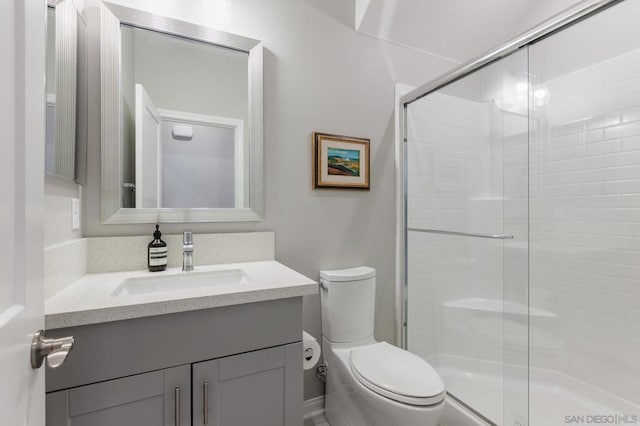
[251,363]
[101,396]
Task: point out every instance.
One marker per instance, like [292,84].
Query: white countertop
[91,300]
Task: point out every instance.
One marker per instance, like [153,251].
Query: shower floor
[554,398]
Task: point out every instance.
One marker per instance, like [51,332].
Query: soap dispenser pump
[157,252]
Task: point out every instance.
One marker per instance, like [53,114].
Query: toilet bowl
[370,382]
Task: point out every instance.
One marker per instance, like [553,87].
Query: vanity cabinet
[247,389]
[152,399]
[237,365]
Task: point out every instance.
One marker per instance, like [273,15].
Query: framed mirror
[181,109]
[66,87]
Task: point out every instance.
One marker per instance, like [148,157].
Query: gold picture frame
[340,161]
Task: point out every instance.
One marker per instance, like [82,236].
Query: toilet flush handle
[323,285]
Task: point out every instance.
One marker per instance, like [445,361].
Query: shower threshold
[554,398]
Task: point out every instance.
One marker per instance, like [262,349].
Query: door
[152,399]
[585,221]
[255,388]
[467,236]
[22,120]
[148,152]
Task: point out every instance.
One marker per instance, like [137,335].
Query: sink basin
[180,281]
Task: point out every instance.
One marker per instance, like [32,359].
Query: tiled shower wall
[452,185]
[585,223]
[584,166]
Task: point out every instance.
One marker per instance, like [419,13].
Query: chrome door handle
[55,351]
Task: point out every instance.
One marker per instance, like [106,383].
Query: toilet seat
[396,374]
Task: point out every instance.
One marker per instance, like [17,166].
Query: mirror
[185,105]
[181,121]
[66,87]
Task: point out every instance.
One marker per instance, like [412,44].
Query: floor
[316,421]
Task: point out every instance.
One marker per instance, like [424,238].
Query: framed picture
[340,161]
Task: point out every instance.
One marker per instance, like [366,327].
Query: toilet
[370,383]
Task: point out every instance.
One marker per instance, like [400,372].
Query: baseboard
[314,407]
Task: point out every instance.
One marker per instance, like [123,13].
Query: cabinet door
[255,388]
[158,398]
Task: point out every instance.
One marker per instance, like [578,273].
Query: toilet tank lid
[350,274]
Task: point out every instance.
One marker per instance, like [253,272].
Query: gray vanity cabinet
[125,373]
[151,399]
[255,388]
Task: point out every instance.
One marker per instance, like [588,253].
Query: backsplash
[63,264]
[111,254]
[67,262]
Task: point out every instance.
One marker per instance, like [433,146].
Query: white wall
[57,209]
[319,75]
[460,29]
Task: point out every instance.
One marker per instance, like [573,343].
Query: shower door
[585,222]
[467,236]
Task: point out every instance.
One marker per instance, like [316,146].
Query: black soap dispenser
[157,252]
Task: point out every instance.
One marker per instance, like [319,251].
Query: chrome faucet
[187,250]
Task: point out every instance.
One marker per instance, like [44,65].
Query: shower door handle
[462,234]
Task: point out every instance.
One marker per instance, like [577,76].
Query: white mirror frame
[111,17]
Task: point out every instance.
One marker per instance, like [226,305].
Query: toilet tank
[348,298]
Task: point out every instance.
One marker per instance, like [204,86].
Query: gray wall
[320,75]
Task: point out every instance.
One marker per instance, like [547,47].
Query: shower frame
[555,24]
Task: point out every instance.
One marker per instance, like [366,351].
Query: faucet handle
[187,250]
[187,237]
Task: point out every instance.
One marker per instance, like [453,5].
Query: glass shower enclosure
[522,223]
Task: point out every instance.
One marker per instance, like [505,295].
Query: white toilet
[370,383]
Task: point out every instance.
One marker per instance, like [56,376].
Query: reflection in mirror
[66,91]
[185,105]
[181,121]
